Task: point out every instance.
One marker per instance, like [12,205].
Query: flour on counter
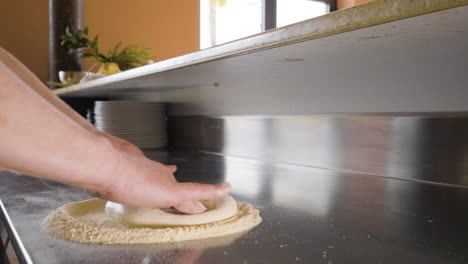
[86,222]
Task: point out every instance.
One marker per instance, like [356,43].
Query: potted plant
[116,60]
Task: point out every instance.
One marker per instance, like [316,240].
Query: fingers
[198,191]
[191,207]
[95,194]
[172,168]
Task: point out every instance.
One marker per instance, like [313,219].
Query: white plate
[130,127]
[161,143]
[134,120]
[133,132]
[129,108]
[122,102]
[131,123]
[141,135]
[137,141]
[130,113]
[128,105]
[156,115]
[121,119]
[136,108]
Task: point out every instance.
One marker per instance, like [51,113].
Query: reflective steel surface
[426,147]
[310,215]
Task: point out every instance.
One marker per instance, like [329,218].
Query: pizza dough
[87,222]
[217,210]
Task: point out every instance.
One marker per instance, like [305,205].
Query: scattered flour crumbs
[86,222]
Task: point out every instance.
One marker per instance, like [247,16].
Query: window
[292,11]
[222,21]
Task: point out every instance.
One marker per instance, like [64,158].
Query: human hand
[127,147]
[123,145]
[138,181]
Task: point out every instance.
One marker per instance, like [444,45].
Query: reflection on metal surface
[306,211]
[247,181]
[425,148]
[294,191]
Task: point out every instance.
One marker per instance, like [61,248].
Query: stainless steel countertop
[309,215]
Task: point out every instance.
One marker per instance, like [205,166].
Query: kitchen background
[352,142]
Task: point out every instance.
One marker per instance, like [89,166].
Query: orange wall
[350,3]
[169,28]
[24,32]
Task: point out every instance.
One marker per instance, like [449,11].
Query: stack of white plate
[141,123]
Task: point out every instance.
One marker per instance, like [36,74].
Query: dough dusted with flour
[217,210]
[86,222]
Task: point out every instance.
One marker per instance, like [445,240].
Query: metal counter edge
[16,242]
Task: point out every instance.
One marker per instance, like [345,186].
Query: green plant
[127,57]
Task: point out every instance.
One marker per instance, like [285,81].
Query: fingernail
[225,188]
[200,207]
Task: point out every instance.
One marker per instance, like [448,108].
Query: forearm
[33,82]
[39,140]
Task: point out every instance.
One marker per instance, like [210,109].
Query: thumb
[171,168]
[198,191]
[191,207]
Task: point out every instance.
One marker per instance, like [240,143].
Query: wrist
[108,163]
[100,165]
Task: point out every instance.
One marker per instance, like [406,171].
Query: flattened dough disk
[217,210]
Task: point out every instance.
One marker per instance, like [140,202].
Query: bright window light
[292,11]
[228,20]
